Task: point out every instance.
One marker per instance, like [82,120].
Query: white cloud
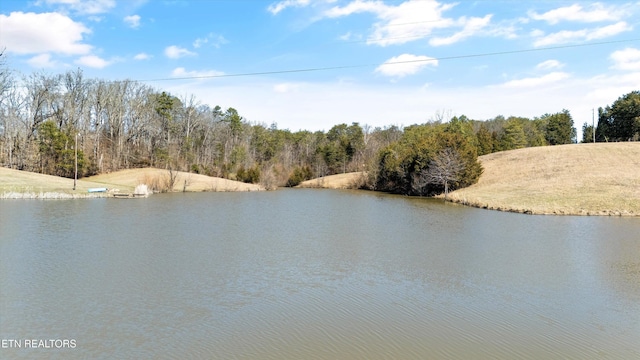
[470,27]
[408,21]
[627,59]
[42,61]
[286,87]
[414,20]
[596,13]
[547,79]
[142,56]
[360,6]
[93,61]
[405,64]
[566,36]
[175,52]
[536,33]
[275,8]
[26,33]
[346,36]
[132,21]
[84,7]
[181,72]
[212,39]
[549,64]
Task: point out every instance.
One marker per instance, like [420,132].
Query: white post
[75,175]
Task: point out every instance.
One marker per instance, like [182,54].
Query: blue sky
[311,64]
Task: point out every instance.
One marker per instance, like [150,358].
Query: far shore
[576,179]
[16,184]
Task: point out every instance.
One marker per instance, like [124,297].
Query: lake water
[313,274]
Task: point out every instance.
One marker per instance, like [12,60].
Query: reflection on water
[312,274]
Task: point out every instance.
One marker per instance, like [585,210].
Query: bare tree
[441,116]
[444,170]
[6,81]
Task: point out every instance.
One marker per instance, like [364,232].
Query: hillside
[22,184]
[183,182]
[339,181]
[582,179]
[16,184]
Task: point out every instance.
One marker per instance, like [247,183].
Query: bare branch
[444,169]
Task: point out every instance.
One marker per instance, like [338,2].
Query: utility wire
[328,68]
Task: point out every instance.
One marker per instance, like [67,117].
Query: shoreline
[53,195]
[543,212]
[50,195]
[601,179]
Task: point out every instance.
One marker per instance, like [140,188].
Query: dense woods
[621,120]
[127,124]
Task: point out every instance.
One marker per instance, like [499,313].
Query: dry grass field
[339,181]
[580,179]
[15,184]
[183,181]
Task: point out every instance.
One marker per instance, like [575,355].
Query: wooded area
[127,124]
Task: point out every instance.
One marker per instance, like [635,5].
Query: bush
[250,176]
[299,175]
[402,164]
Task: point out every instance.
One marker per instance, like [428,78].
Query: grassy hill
[183,181]
[23,184]
[581,179]
[339,181]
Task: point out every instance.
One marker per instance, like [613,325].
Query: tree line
[127,124]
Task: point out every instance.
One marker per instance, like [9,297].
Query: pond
[312,274]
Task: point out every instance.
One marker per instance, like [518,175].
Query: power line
[328,68]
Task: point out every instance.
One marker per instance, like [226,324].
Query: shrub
[250,176]
[299,175]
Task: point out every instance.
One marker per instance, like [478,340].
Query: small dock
[129,196]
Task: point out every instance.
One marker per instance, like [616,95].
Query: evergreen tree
[620,121]
[485,141]
[513,136]
[560,128]
[587,133]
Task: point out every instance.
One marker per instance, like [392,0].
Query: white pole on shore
[75,175]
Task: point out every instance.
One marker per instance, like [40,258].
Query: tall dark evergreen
[587,133]
[560,128]
[621,120]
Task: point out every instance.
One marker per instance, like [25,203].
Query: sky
[312,64]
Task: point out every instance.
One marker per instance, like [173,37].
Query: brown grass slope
[339,181]
[23,184]
[183,181]
[579,179]
[15,184]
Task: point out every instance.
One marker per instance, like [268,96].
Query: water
[313,274]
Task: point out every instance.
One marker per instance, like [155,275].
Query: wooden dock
[128,196]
